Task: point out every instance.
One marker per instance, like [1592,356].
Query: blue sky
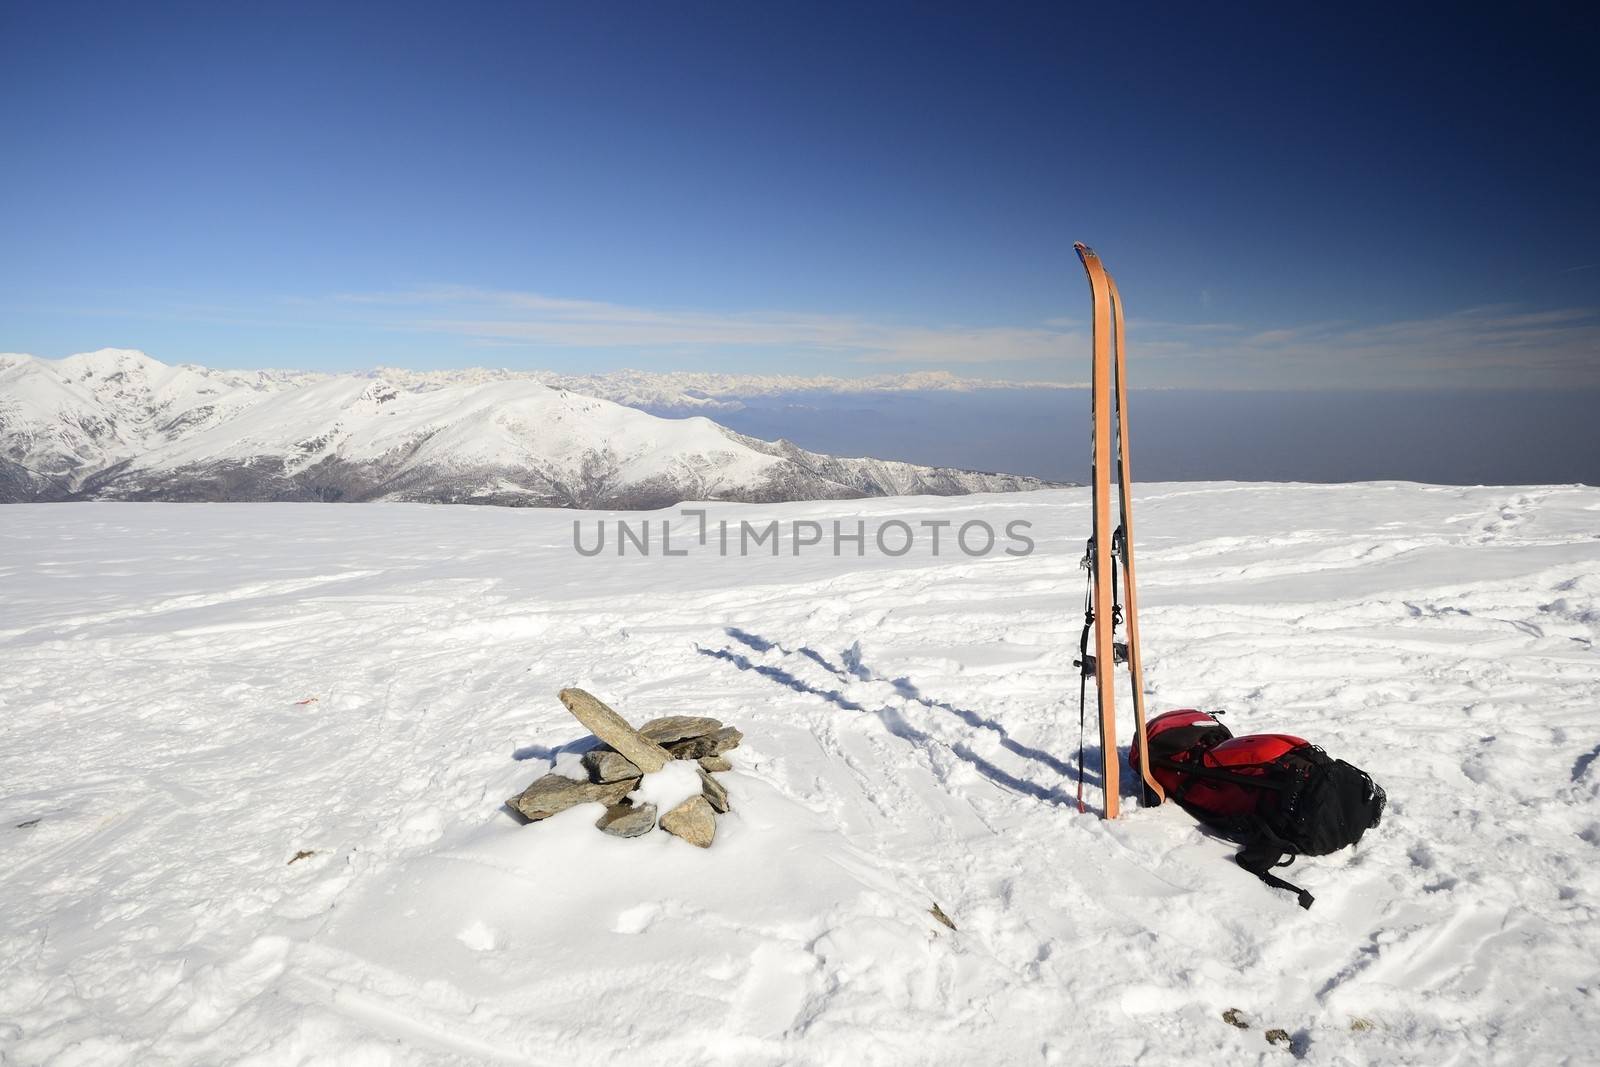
[1304,199]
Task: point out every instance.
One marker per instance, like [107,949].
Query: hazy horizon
[1445,437]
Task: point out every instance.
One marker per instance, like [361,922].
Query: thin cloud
[1496,345]
[1484,347]
[534,319]
[1478,347]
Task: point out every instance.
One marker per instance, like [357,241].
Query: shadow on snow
[853,669]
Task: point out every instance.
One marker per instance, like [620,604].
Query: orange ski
[1102,591]
[1108,404]
[1130,598]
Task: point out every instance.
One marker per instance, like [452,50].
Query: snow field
[911,739]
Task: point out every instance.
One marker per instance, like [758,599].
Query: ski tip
[1085,253]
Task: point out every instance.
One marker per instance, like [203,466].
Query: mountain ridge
[116,424]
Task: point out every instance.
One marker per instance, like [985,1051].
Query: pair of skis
[1107,547]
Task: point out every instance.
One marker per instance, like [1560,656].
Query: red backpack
[1279,795]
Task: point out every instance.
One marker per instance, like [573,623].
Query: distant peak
[378,391]
[106,360]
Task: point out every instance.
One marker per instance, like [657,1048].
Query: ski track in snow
[911,738]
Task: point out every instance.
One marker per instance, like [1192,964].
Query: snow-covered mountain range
[118,425]
[697,392]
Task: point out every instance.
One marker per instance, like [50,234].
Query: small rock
[1235,1017]
[1278,1037]
[670,728]
[614,730]
[556,793]
[938,913]
[713,791]
[693,820]
[625,820]
[609,765]
[712,744]
[715,763]
[303,854]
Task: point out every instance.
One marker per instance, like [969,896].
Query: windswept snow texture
[118,425]
[193,697]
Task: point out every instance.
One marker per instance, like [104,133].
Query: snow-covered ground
[911,738]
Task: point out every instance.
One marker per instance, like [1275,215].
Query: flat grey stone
[671,728]
[614,730]
[556,793]
[713,744]
[609,765]
[715,763]
[693,820]
[625,820]
[714,792]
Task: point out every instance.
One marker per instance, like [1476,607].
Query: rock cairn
[623,756]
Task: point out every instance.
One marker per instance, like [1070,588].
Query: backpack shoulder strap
[1260,857]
